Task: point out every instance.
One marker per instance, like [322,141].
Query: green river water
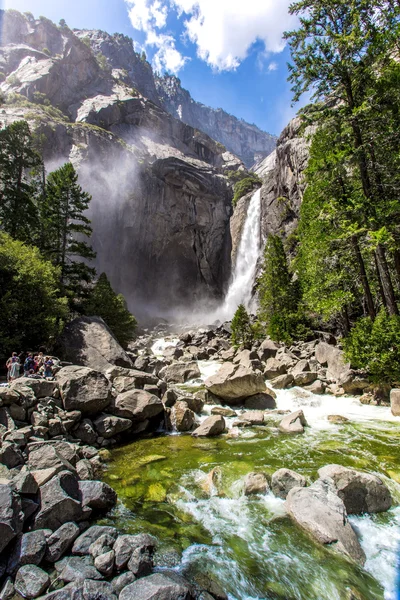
[248,544]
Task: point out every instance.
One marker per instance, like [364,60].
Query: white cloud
[223,31]
[273,66]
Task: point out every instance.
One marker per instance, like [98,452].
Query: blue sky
[227,53]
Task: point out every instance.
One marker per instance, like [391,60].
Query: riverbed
[248,544]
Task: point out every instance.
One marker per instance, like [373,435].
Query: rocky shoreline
[55,435]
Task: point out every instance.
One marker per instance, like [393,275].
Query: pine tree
[242,332]
[65,231]
[18,157]
[105,303]
[278,295]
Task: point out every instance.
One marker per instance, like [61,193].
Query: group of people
[34,366]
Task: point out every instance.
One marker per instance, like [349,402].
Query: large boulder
[274,368]
[283,381]
[85,540]
[137,405]
[159,586]
[11,515]
[319,511]
[395,402]
[261,401]
[88,342]
[84,389]
[127,545]
[255,483]
[60,501]
[29,549]
[108,426]
[210,427]
[47,457]
[41,387]
[180,372]
[182,418]
[31,581]
[234,383]
[268,349]
[283,480]
[360,492]
[293,423]
[333,358]
[60,541]
[97,495]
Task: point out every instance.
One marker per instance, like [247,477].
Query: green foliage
[2,76]
[242,331]
[46,51]
[86,41]
[279,296]
[375,346]
[102,62]
[63,24]
[31,311]
[143,56]
[244,186]
[13,80]
[18,156]
[65,228]
[41,98]
[105,303]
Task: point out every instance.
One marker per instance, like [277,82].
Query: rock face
[360,492]
[87,341]
[319,511]
[234,383]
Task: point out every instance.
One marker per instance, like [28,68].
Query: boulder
[98,495]
[102,545]
[305,378]
[223,411]
[317,387]
[210,427]
[283,480]
[260,402]
[159,586]
[319,511]
[42,388]
[85,540]
[126,544]
[254,417]
[88,342]
[29,549]
[120,582]
[47,457]
[293,423]
[182,418]
[75,568]
[395,402]
[360,492]
[255,483]
[85,432]
[268,349]
[194,403]
[301,367]
[333,358]
[353,383]
[337,419]
[283,381]
[108,426]
[8,396]
[60,541]
[84,389]
[105,563]
[274,368]
[98,590]
[180,372]
[11,515]
[235,383]
[137,405]
[60,502]
[31,581]
[10,455]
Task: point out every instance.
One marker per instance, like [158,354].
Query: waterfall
[241,286]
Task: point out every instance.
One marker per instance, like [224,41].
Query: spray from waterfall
[241,286]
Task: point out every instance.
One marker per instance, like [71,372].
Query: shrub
[242,331]
[86,40]
[245,186]
[375,347]
[13,80]
[46,51]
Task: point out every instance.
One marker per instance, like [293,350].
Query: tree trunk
[397,264]
[386,281]
[378,275]
[364,278]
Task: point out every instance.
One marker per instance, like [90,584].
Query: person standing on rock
[48,367]
[29,364]
[14,369]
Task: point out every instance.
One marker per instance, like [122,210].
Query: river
[248,544]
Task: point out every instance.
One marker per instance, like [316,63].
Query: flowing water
[248,253]
[248,544]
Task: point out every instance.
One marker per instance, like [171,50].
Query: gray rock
[283,480]
[317,387]
[126,544]
[260,402]
[234,383]
[7,591]
[195,404]
[319,511]
[85,432]
[8,396]
[60,502]
[60,541]
[223,411]
[29,549]
[97,495]
[268,349]
[47,457]
[11,515]
[84,389]
[395,402]
[360,492]
[84,468]
[305,378]
[158,586]
[83,542]
[180,372]
[293,423]
[274,368]
[88,342]
[255,483]
[282,382]
[120,582]
[210,427]
[105,563]
[301,367]
[254,417]
[10,455]
[75,568]
[102,545]
[137,405]
[98,590]
[182,418]
[31,581]
[108,426]
[42,388]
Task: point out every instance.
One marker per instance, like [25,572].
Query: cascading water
[240,289]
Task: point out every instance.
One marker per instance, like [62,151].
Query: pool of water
[248,544]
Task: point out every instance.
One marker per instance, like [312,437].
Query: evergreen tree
[105,303]
[242,332]
[18,157]
[65,231]
[278,295]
